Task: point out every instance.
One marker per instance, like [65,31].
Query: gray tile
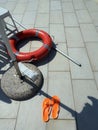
[80,55]
[55,5]
[61,125]
[67,7]
[94,16]
[96,77]
[70,20]
[19,9]
[57,30]
[42,20]
[30,111]
[74,37]
[79,5]
[83,16]
[56,17]
[32,6]
[92,49]
[89,32]
[83,89]
[8,110]
[59,62]
[29,17]
[7,124]
[10,6]
[86,103]
[91,5]
[43,6]
[60,85]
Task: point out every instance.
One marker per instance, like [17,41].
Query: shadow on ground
[4,66]
[87,119]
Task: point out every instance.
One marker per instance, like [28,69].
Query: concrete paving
[74,25]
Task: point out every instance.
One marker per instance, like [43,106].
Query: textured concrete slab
[92,49]
[44,18]
[83,16]
[70,20]
[59,62]
[89,32]
[68,7]
[61,125]
[86,103]
[74,37]
[7,124]
[84,72]
[57,30]
[60,85]
[56,16]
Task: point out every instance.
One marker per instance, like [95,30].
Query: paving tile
[66,0]
[67,7]
[7,124]
[30,112]
[10,5]
[57,30]
[55,5]
[94,16]
[83,16]
[80,55]
[60,85]
[18,17]
[32,6]
[92,49]
[56,17]
[86,103]
[74,37]
[43,6]
[91,5]
[8,110]
[89,32]
[78,5]
[19,9]
[83,89]
[96,77]
[70,20]
[42,20]
[29,17]
[61,125]
[54,63]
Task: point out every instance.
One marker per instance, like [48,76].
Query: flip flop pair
[51,106]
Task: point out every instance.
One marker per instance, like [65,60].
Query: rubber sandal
[56,107]
[47,103]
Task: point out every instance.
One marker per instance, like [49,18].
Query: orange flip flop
[47,103]
[56,107]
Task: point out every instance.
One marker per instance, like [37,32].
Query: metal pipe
[62,53]
[58,50]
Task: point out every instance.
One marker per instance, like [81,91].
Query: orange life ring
[37,54]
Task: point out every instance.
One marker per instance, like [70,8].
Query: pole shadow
[87,119]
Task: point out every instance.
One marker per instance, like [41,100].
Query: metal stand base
[21,89]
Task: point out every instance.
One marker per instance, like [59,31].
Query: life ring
[34,55]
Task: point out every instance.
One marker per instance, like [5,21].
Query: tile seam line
[84,41]
[70,65]
[91,41]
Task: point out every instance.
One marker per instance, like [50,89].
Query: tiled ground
[74,25]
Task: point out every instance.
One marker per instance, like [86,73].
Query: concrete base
[18,89]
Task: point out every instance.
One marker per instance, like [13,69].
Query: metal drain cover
[18,89]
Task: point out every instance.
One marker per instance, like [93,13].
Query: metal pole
[58,50]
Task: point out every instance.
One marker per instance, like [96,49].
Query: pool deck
[74,26]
